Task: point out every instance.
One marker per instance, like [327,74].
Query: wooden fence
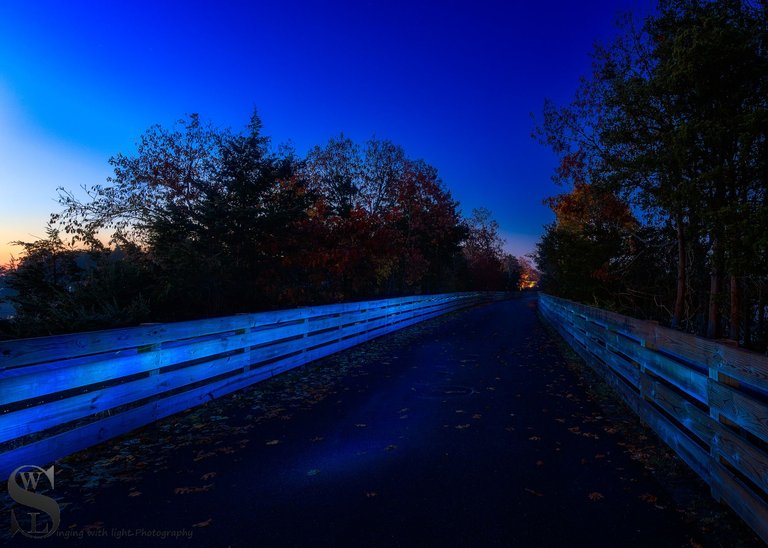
[707,400]
[61,394]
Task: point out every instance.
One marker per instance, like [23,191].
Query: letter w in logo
[30,478]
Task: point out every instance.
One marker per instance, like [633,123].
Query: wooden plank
[22,352]
[45,379]
[746,411]
[692,454]
[616,363]
[743,456]
[689,380]
[696,421]
[747,367]
[687,347]
[48,349]
[40,380]
[54,447]
[686,448]
[41,417]
[606,352]
[35,419]
[60,445]
[625,325]
[751,508]
[744,365]
[730,402]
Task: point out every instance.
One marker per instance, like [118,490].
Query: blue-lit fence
[707,400]
[61,394]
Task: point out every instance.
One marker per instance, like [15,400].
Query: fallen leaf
[188,490]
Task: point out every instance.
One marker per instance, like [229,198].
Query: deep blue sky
[454,83]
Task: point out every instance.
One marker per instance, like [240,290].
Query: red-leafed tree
[585,252]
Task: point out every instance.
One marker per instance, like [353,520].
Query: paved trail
[465,431]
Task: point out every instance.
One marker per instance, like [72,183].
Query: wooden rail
[62,394]
[707,400]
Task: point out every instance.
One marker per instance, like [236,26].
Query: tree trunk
[734,332]
[761,317]
[715,284]
[747,314]
[681,267]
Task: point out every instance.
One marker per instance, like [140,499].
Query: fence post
[650,343]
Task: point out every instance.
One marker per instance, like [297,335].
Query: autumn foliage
[670,128]
[203,222]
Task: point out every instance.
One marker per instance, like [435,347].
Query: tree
[427,220]
[335,173]
[483,251]
[709,67]
[169,166]
[585,253]
[205,221]
[59,289]
[671,120]
[513,272]
[383,165]
[393,231]
[228,243]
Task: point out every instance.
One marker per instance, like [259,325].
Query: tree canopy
[672,122]
[201,221]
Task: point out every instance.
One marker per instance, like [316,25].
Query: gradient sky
[454,83]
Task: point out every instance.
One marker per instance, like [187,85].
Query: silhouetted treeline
[665,148]
[203,222]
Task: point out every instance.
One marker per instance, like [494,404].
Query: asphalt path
[466,430]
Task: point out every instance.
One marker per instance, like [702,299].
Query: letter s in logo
[24,493]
